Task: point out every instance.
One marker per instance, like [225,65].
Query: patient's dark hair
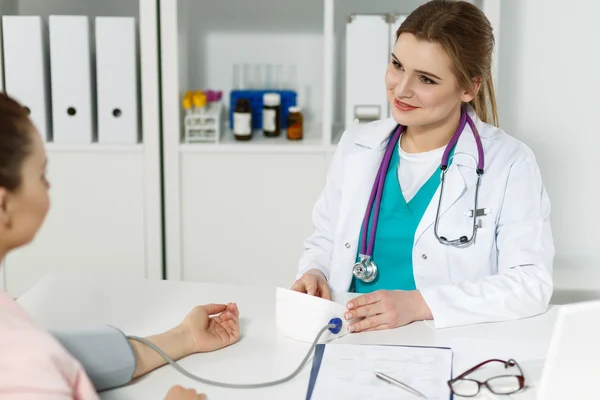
[15,141]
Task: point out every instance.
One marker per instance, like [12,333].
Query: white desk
[149,307]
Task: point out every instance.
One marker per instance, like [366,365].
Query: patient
[35,364]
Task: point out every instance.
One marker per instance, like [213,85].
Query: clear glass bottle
[271,114]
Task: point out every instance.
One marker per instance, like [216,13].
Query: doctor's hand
[211,327]
[386,309]
[313,282]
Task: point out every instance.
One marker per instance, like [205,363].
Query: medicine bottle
[295,123]
[271,114]
[242,120]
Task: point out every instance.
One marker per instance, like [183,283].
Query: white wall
[549,95]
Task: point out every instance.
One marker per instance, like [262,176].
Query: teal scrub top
[394,239]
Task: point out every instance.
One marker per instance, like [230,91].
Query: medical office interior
[152,180]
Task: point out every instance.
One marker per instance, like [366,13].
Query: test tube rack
[203,125]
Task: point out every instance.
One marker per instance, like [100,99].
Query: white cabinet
[96,219]
[238,212]
[106,199]
[246,215]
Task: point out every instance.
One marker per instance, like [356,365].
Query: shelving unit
[94,148]
[312,143]
[233,211]
[106,199]
[202,43]
[239,211]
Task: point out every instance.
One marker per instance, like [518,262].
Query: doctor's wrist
[316,272]
[420,307]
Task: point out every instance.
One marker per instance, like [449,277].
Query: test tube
[259,77]
[269,76]
[248,84]
[278,80]
[290,82]
[237,77]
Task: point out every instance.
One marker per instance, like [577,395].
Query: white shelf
[311,143]
[117,8]
[256,149]
[94,148]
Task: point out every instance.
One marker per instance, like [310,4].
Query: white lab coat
[505,275]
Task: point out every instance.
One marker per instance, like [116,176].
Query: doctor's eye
[427,81]
[397,65]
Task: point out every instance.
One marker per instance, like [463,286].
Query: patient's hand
[211,327]
[179,393]
[199,332]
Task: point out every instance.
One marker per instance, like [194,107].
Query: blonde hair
[464,31]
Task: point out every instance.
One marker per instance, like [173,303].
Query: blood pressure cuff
[104,352]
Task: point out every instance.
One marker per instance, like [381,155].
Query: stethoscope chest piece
[365,269]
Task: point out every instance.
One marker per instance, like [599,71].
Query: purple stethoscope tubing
[366,249]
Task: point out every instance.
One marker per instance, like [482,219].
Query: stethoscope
[366,269]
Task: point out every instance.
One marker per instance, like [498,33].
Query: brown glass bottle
[295,123]
[242,120]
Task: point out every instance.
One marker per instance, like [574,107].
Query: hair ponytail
[484,103]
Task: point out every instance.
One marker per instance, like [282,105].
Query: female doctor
[435,213]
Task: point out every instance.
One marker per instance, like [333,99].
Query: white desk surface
[262,354]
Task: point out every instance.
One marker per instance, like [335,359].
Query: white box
[71,76]
[367,56]
[25,68]
[395,22]
[116,77]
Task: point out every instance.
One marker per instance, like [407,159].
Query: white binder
[395,22]
[71,77]
[25,68]
[367,56]
[117,87]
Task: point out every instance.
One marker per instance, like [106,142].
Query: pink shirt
[33,365]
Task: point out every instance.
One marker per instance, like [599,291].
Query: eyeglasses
[503,384]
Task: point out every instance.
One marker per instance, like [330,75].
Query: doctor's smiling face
[421,85]
[24,200]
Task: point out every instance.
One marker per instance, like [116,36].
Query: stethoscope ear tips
[337,325]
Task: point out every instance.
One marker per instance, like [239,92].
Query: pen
[395,382]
